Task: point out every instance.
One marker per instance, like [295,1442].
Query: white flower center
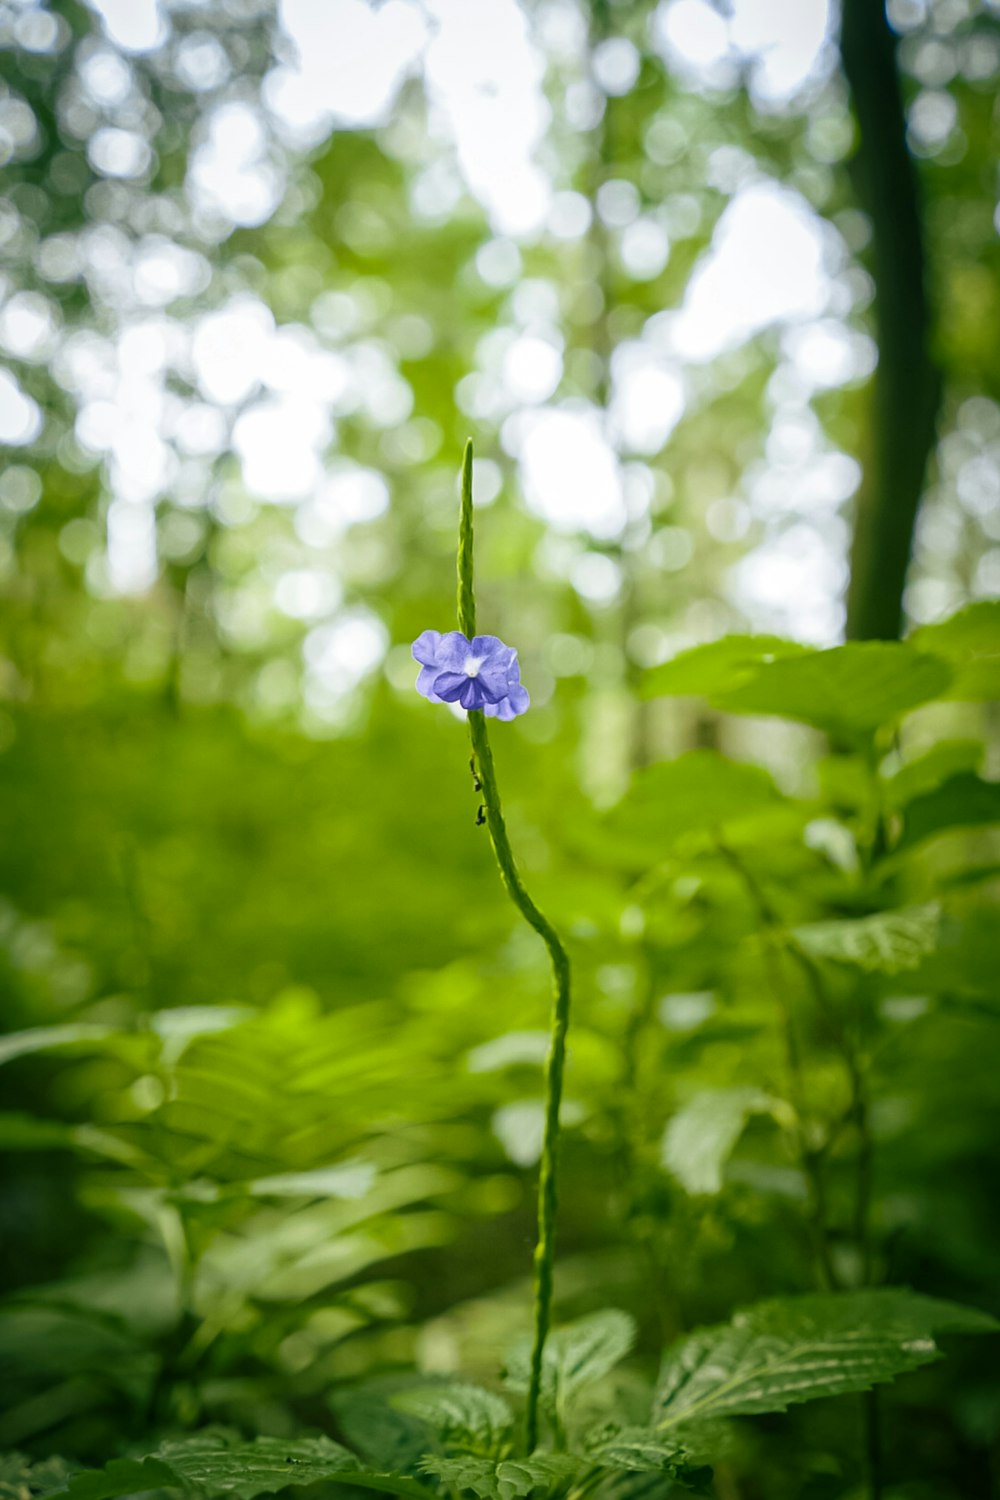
[472,665]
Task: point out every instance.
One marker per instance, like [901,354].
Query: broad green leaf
[969,640]
[943,760]
[702,1134]
[700,791]
[209,1466]
[972,631]
[889,942]
[849,689]
[460,1415]
[509,1479]
[575,1356]
[716,666]
[964,801]
[257,1468]
[799,1348]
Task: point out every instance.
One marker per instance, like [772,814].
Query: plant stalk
[482,753]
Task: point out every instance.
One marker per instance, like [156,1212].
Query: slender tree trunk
[907,383]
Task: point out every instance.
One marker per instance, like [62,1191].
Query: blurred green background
[263,269]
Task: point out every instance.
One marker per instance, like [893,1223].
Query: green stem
[555,1064]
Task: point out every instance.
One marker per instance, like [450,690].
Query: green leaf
[849,690]
[385,1438]
[350,1179]
[575,1356]
[24,1132]
[964,961]
[48,1038]
[20,1479]
[946,758]
[460,1415]
[257,1468]
[796,1349]
[122,1476]
[699,791]
[643,1450]
[510,1479]
[716,666]
[210,1466]
[888,942]
[964,801]
[702,1134]
[969,640]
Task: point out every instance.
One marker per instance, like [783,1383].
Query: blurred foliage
[272,1057]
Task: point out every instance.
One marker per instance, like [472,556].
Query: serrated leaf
[643,1450]
[849,689]
[888,942]
[702,790]
[210,1466]
[796,1349]
[702,1134]
[716,666]
[510,1479]
[575,1356]
[460,1415]
[963,801]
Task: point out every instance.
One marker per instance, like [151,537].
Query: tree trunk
[907,384]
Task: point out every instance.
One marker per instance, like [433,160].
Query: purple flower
[481,673]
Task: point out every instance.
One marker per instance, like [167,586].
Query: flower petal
[453,651]
[492,681]
[488,646]
[426,678]
[425,648]
[450,686]
[472,694]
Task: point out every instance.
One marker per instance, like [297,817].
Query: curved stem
[544,1258]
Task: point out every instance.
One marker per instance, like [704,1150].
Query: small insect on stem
[480,815]
[477,784]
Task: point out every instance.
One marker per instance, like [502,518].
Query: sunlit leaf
[849,689]
[699,792]
[575,1356]
[716,667]
[209,1466]
[460,1415]
[970,640]
[81,1034]
[798,1348]
[702,1134]
[943,760]
[888,942]
[509,1479]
